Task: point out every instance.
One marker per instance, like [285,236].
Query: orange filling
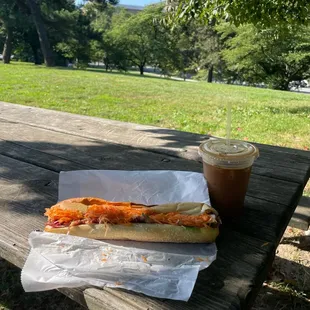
[63,216]
[125,213]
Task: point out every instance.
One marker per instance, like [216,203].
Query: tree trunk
[210,74]
[141,69]
[36,57]
[44,42]
[106,63]
[7,48]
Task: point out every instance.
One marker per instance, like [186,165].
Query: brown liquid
[227,188]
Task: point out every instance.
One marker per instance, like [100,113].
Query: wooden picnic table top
[36,144]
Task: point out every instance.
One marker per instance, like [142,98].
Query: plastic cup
[227,169]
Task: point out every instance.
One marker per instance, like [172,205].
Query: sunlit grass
[260,115]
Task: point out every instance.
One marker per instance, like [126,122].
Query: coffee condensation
[227,169]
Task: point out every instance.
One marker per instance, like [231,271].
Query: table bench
[36,144]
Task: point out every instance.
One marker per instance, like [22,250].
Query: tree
[42,33]
[103,48]
[139,36]
[8,13]
[265,12]
[183,42]
[275,56]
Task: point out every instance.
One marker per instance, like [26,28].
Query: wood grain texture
[166,141]
[97,154]
[231,272]
[53,141]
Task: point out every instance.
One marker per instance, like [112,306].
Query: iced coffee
[227,169]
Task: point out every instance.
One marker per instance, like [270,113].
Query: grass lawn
[261,115]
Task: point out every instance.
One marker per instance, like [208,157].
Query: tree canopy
[276,57]
[239,42]
[263,13]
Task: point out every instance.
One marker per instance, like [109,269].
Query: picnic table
[36,144]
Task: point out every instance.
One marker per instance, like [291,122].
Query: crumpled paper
[146,187]
[155,269]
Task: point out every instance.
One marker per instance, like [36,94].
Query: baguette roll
[141,232]
[100,219]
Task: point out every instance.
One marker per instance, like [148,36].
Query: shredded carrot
[124,213]
[63,216]
[144,258]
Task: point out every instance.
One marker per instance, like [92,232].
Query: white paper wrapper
[146,187]
[155,269]
[68,261]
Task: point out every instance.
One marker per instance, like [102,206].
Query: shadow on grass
[280,298]
[148,75]
[300,110]
[288,287]
[303,110]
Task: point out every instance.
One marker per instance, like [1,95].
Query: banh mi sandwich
[100,219]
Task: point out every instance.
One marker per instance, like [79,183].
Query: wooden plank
[260,187]
[287,153]
[53,150]
[244,250]
[270,168]
[265,195]
[97,128]
[273,190]
[166,141]
[242,261]
[97,154]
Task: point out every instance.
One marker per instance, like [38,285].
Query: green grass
[260,115]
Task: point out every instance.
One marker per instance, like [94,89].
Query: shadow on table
[13,296]
[177,139]
[29,181]
[30,169]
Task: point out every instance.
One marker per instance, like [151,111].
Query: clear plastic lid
[237,154]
